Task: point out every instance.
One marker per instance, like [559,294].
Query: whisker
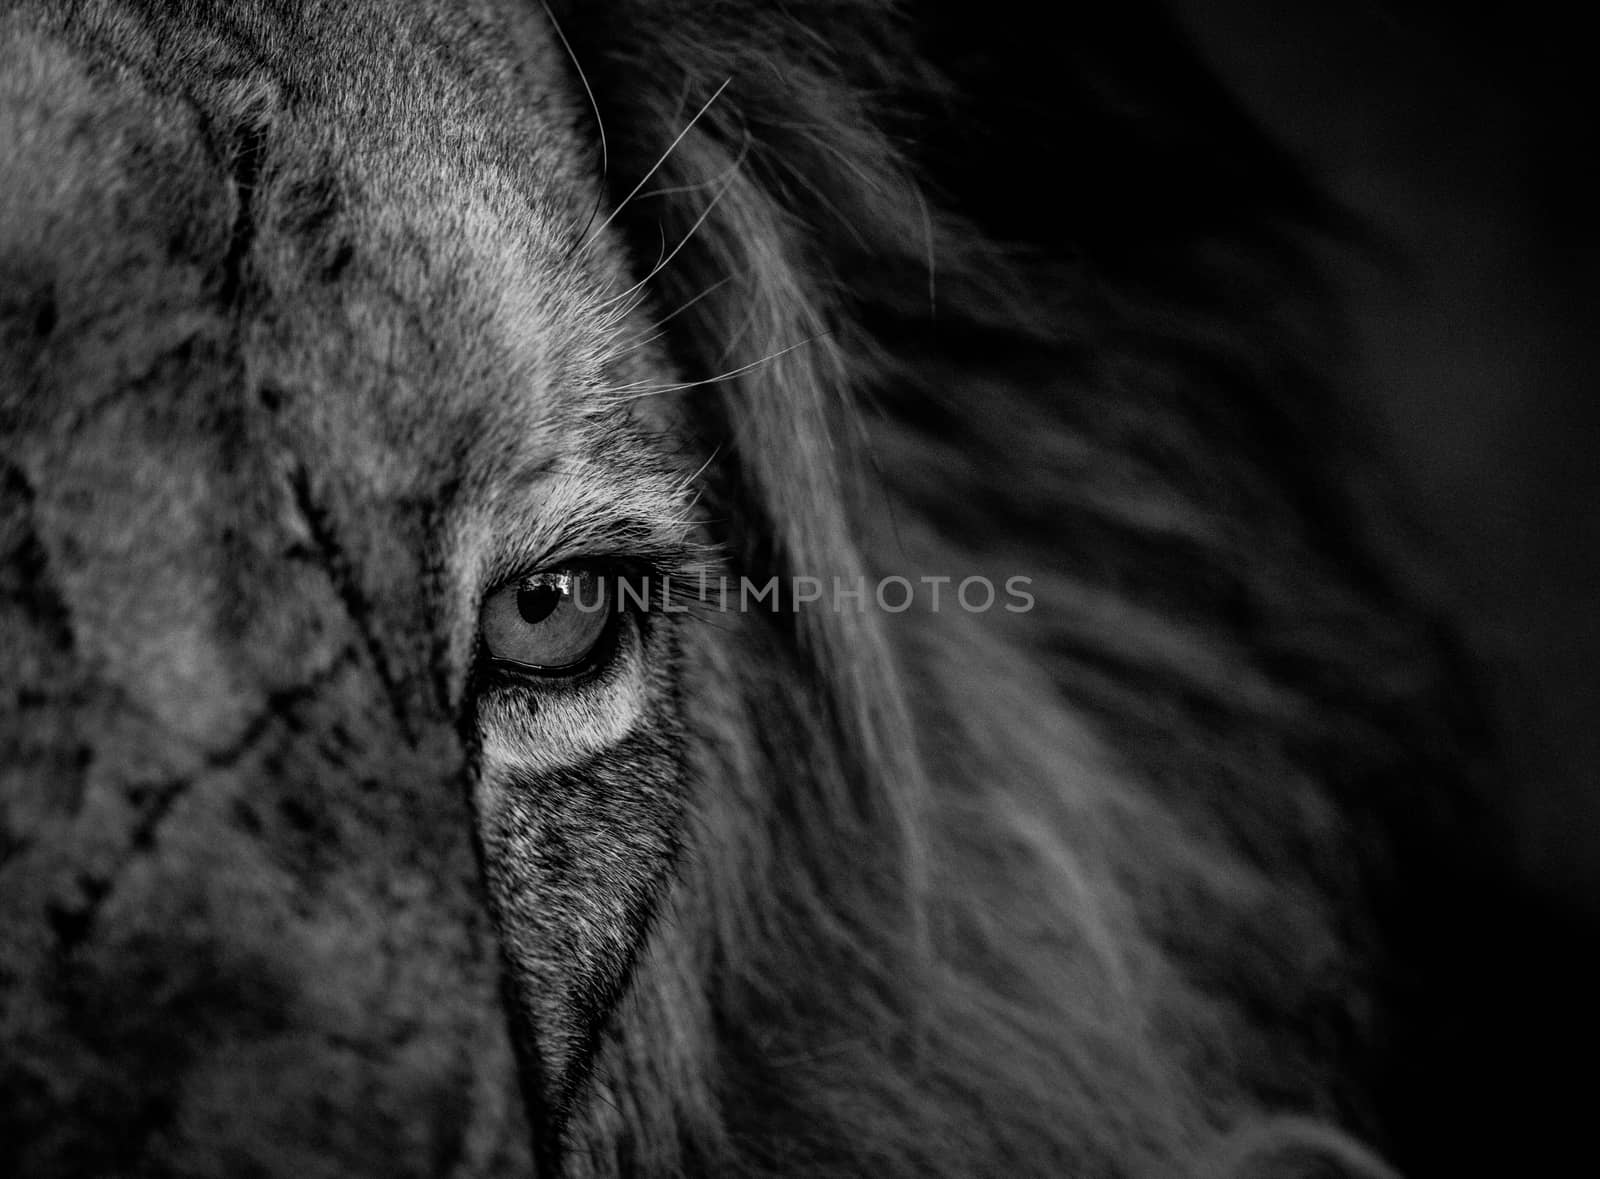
[605,151]
[662,263]
[636,390]
[645,179]
[673,190]
[690,480]
[656,329]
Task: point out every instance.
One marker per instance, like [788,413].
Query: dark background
[1465,138]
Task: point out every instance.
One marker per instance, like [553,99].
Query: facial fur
[320,324]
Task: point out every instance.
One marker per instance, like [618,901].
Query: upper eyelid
[630,543]
[610,561]
[627,506]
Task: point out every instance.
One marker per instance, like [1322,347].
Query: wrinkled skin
[247,821]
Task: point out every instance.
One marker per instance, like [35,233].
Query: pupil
[536,603]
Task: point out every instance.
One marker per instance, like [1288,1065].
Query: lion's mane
[1174,872]
[1111,885]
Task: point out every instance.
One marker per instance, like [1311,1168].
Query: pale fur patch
[544,728]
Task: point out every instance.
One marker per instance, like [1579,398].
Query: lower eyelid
[542,725]
[607,652]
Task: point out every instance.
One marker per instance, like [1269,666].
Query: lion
[393,389]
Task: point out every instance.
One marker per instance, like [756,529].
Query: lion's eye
[549,623]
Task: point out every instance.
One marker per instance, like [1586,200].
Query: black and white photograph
[858,589]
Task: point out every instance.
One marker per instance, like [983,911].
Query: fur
[322,321]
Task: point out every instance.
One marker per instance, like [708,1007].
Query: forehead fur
[376,215]
[411,170]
